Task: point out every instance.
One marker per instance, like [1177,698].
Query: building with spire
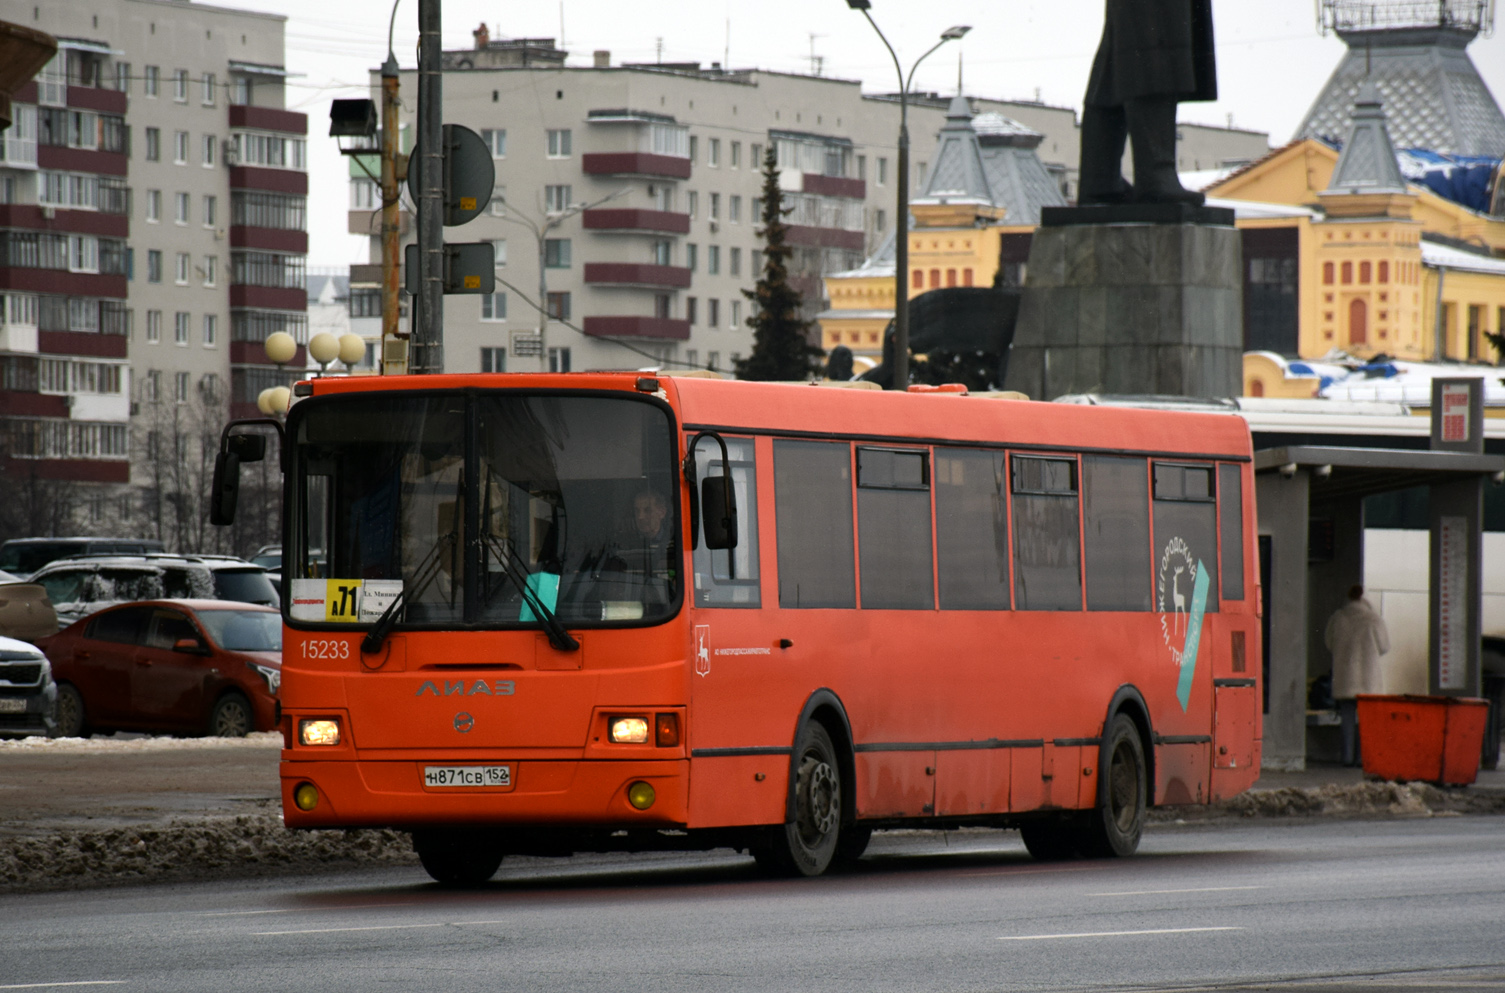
[971,226]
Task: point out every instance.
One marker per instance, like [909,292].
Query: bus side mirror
[248,447]
[226,490]
[718,509]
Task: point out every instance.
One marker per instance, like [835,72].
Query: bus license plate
[467,775]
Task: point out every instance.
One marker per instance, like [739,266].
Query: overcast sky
[1271,58]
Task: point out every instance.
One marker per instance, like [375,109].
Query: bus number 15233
[326,648]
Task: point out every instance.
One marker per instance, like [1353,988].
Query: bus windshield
[488,509]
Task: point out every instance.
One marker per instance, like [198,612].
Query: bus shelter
[1306,570]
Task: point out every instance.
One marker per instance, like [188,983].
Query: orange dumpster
[1435,739]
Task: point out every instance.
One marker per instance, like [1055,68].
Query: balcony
[812,237]
[270,180]
[629,219]
[635,274]
[268,119]
[833,186]
[269,239]
[661,328]
[367,223]
[635,164]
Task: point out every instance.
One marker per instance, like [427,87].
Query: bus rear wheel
[806,845]
[1114,827]
[457,858]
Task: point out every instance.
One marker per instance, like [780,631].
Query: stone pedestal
[1131,299]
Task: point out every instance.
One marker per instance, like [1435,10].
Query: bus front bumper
[399,794]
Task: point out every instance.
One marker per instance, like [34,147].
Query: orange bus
[528,614]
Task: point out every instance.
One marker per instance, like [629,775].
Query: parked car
[269,557]
[179,666]
[28,696]
[24,556]
[79,586]
[25,611]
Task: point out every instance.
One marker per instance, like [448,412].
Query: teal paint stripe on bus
[1193,636]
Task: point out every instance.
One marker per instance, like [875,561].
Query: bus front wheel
[457,858]
[806,845]
[1114,827]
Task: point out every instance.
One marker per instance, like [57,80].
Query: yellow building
[980,205]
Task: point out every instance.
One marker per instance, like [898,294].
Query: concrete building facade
[161,155]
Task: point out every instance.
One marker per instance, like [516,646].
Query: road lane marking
[1113,934]
[1198,889]
[332,930]
[53,986]
[304,910]
[1030,872]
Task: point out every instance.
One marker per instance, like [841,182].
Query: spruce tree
[781,344]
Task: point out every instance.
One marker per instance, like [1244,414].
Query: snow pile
[257,739]
[1359,800]
[242,846]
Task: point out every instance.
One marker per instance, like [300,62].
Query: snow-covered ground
[139,743]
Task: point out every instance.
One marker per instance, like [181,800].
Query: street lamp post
[901,221]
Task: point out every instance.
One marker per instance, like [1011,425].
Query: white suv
[81,585]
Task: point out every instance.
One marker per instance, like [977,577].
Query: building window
[153,266]
[882,171]
[917,279]
[713,260]
[663,306]
[692,204]
[694,144]
[692,357]
[180,328]
[499,252]
[756,158]
[209,211]
[880,219]
[715,206]
[862,167]
[663,252]
[274,151]
[1347,273]
[712,312]
[692,255]
[556,199]
[180,387]
[150,80]
[713,153]
[181,273]
[691,308]
[496,140]
[180,85]
[153,326]
[153,144]
[662,196]
[180,208]
[211,270]
[712,360]
[1364,272]
[559,358]
[1327,274]
[736,154]
[559,307]
[207,147]
[123,77]
[153,206]
[735,309]
[493,308]
[935,279]
[206,89]
[240,90]
[734,262]
[493,360]
[559,143]
[556,253]
[211,330]
[1384,273]
[734,210]
[180,147]
[1358,323]
[1475,325]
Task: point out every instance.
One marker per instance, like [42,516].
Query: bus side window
[971,529]
[1047,560]
[1185,535]
[1116,532]
[812,484]
[893,524]
[730,577]
[1231,530]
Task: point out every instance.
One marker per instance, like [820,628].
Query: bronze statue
[1154,54]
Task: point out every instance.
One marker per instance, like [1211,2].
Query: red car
[179,666]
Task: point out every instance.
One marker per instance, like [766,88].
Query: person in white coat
[1357,637]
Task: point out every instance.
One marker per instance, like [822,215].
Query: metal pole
[901,253]
[391,301]
[428,338]
[543,299]
[1439,326]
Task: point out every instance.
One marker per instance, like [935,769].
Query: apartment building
[154,232]
[629,196]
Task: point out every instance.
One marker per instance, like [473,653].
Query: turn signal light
[640,795]
[666,730]
[629,731]
[319,732]
[306,797]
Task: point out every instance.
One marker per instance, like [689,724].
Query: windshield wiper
[427,570]
[512,564]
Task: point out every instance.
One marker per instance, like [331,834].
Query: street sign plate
[469,267]
[526,343]
[469,175]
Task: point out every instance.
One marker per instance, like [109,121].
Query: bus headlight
[640,795]
[318,732]
[628,731]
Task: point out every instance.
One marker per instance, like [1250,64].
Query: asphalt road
[1328,905]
